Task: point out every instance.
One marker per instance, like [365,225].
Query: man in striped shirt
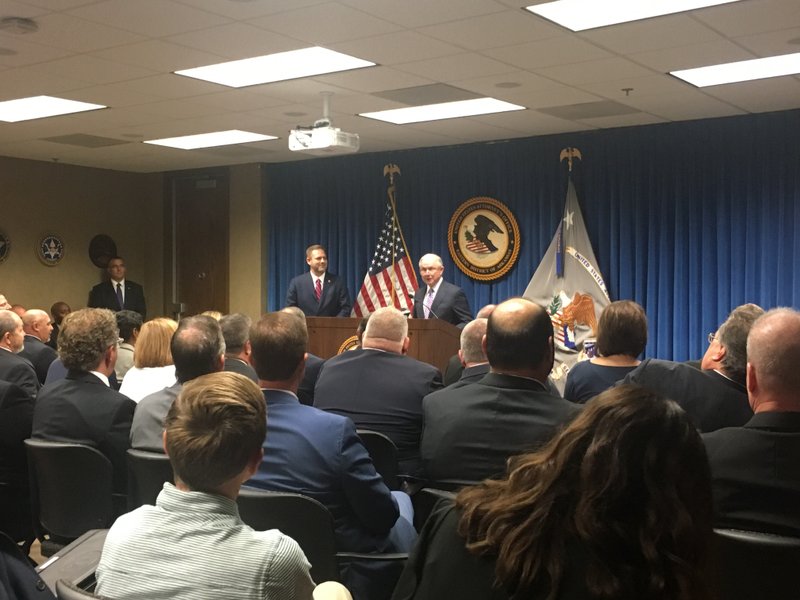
[192,543]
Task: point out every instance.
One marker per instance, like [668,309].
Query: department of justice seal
[50,249]
[483,238]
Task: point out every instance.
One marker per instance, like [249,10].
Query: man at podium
[438,299]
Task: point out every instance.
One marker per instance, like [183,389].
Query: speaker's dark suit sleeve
[450,304]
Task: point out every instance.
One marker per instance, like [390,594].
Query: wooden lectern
[432,341]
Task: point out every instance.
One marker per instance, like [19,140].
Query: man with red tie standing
[118,293]
[319,293]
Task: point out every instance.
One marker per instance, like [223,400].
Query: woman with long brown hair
[618,506]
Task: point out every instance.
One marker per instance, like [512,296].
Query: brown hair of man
[313,247]
[622,329]
[279,341]
[214,430]
[86,336]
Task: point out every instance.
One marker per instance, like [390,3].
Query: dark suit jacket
[755,475]
[711,400]
[318,454]
[82,409]
[380,391]
[18,580]
[40,355]
[305,390]
[104,295]
[334,302]
[19,371]
[450,304]
[453,370]
[148,420]
[16,416]
[237,365]
[470,431]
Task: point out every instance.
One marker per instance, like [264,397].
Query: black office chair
[756,566]
[66,590]
[307,522]
[383,453]
[71,491]
[425,500]
[147,473]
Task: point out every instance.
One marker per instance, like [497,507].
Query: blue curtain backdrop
[689,219]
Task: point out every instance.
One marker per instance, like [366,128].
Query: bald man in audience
[714,396]
[37,327]
[754,468]
[13,367]
[379,387]
[455,366]
[471,431]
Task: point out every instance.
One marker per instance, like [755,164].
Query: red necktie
[318,290]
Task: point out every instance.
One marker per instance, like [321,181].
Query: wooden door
[201,222]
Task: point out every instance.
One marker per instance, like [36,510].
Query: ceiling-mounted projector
[323,138]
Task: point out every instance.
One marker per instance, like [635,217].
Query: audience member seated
[715,395]
[19,309]
[754,468]
[192,543]
[471,355]
[130,324]
[318,454]
[13,367]
[305,391]
[379,387]
[621,338]
[152,369]
[82,407]
[471,431]
[455,366]
[197,349]
[236,331]
[58,311]
[37,328]
[617,506]
[16,415]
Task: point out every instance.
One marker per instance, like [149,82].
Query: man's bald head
[387,329]
[773,356]
[471,350]
[519,339]
[36,322]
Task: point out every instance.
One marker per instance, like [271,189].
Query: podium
[432,341]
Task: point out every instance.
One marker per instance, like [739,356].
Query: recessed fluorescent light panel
[277,67]
[743,70]
[445,110]
[579,15]
[38,107]
[209,140]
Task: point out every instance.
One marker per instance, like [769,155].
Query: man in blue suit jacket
[319,293]
[438,299]
[318,454]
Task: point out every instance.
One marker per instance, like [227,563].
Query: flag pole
[391,170]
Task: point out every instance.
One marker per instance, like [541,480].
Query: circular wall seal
[50,249]
[5,246]
[350,343]
[101,250]
[483,238]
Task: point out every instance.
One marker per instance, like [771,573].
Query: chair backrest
[303,519]
[425,500]
[66,590]
[71,488]
[147,473]
[384,456]
[756,566]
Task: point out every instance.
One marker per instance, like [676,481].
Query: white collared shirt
[101,377]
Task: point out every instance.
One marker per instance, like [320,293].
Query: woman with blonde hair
[153,369]
[616,507]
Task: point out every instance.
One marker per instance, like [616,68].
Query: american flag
[383,276]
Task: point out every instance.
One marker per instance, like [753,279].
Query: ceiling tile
[652,34]
[396,48]
[764,95]
[491,31]
[613,69]
[151,18]
[562,50]
[418,13]
[750,16]
[69,32]
[237,40]
[159,56]
[91,69]
[456,66]
[687,57]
